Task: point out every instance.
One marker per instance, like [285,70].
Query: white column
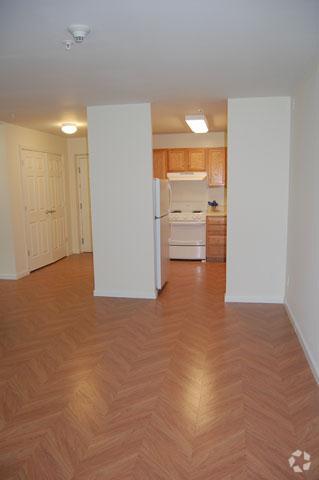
[258,178]
[120,155]
[7,255]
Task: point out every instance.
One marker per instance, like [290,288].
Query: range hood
[186,176]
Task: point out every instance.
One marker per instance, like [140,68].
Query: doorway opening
[84,203]
[195,166]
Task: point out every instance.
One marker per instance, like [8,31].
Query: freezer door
[161,197]
[162,228]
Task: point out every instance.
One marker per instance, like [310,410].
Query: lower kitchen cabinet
[216,231]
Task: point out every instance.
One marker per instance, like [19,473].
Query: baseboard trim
[252,299]
[312,364]
[14,276]
[125,294]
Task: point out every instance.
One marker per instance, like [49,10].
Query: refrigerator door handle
[170,197]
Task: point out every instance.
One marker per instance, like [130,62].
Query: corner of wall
[311,361]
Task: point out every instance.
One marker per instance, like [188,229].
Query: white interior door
[38,219]
[57,206]
[43,186]
[84,202]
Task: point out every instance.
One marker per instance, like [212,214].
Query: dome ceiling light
[69,128]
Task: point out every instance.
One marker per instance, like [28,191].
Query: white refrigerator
[162,230]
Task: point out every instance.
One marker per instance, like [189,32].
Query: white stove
[188,235]
[188,216]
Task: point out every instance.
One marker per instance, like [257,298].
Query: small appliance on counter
[213,204]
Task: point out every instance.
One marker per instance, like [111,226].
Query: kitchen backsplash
[219,194]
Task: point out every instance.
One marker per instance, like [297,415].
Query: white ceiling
[170,117]
[180,55]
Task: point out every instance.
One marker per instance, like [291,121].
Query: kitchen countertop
[219,212]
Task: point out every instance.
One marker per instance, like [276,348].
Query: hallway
[184,387]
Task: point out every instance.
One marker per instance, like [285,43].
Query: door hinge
[28,253]
[79,170]
[82,240]
[81,205]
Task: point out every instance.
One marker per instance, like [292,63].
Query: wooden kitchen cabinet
[216,167]
[177,160]
[212,160]
[160,163]
[216,231]
[197,159]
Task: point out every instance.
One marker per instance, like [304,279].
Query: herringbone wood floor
[179,388]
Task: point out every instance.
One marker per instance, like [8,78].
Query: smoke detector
[79,32]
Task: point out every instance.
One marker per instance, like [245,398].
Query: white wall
[76,146]
[193,140]
[190,140]
[219,194]
[258,178]
[13,138]
[120,157]
[302,297]
[7,257]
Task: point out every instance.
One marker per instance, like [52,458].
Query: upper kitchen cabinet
[212,160]
[177,160]
[197,159]
[216,167]
[160,163]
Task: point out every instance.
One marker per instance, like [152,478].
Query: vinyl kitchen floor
[183,387]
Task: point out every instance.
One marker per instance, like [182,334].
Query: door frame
[23,198]
[79,219]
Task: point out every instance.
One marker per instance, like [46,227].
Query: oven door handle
[169,197]
[187,243]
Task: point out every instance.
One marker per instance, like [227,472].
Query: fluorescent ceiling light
[69,128]
[197,123]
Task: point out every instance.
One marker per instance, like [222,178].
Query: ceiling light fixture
[69,128]
[197,123]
